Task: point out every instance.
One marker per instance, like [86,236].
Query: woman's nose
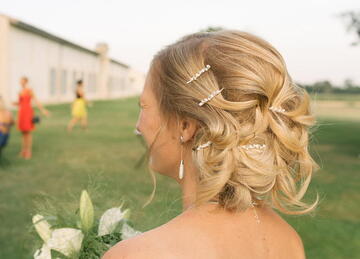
[137,129]
[137,132]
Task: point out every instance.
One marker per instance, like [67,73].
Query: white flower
[110,219]
[128,232]
[86,211]
[42,227]
[43,253]
[66,240]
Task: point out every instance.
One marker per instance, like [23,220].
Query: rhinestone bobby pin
[212,95]
[257,147]
[206,68]
[205,145]
[275,109]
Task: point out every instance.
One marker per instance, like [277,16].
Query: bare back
[214,235]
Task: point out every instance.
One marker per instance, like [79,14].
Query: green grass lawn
[104,158]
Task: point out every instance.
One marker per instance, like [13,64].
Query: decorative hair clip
[258,147]
[275,109]
[206,68]
[212,95]
[202,146]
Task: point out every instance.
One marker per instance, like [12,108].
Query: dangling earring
[181,167]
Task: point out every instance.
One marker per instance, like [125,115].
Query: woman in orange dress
[26,116]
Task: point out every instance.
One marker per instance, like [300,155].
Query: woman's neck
[188,184]
[188,193]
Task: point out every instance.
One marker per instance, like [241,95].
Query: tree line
[326,87]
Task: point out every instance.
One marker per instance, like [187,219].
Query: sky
[309,33]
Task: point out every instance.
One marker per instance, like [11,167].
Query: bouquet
[90,239]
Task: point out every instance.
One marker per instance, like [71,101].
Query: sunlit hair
[254,77]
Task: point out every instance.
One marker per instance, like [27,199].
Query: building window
[118,84]
[74,80]
[95,83]
[122,84]
[89,84]
[92,83]
[63,81]
[52,82]
[110,84]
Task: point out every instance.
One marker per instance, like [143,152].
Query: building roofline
[42,33]
[27,27]
[119,63]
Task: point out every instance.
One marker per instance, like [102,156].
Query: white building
[53,65]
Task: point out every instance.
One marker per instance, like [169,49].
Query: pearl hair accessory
[202,146]
[275,109]
[206,68]
[258,147]
[212,95]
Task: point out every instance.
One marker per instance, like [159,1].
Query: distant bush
[325,87]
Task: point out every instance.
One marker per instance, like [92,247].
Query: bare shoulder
[128,249]
[288,236]
[166,241]
[125,250]
[151,244]
[175,239]
[297,245]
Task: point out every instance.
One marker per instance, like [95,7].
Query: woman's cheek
[143,122]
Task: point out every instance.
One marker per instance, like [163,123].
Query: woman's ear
[188,128]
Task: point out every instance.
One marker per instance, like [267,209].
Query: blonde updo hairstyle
[254,77]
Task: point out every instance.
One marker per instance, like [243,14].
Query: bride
[221,116]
